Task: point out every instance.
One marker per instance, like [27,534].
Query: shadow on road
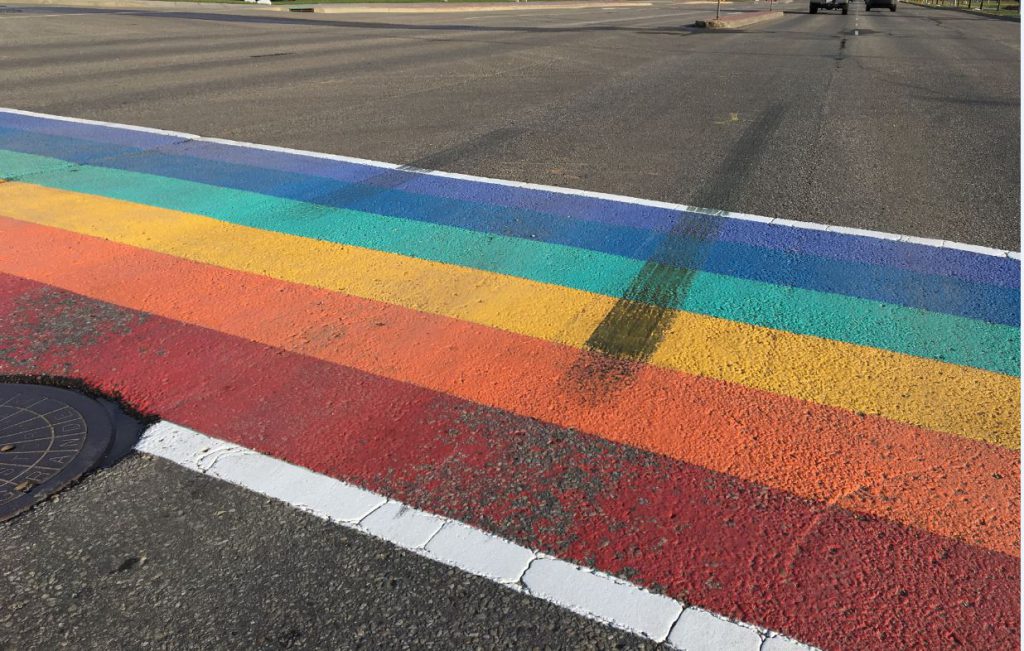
[295,20]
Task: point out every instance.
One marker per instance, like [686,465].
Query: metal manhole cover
[49,437]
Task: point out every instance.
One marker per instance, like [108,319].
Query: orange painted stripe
[945,484]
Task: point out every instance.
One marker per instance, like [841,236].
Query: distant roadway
[903,122]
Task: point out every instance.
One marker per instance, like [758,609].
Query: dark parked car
[891,4]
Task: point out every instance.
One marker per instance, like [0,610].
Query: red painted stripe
[818,573]
[945,484]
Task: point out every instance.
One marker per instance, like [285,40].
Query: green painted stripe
[917,332]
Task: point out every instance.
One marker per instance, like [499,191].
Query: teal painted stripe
[945,337]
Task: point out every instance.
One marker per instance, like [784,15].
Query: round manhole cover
[49,437]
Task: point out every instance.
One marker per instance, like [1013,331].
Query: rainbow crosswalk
[813,430]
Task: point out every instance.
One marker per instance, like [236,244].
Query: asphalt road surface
[149,555]
[905,122]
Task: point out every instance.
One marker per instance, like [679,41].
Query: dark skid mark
[390,179]
[595,374]
[636,325]
[484,144]
[841,54]
[733,174]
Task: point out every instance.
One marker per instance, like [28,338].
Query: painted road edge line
[727,214]
[587,592]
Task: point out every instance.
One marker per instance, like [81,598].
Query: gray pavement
[904,122]
[150,555]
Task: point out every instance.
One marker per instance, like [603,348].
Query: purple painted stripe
[1003,272]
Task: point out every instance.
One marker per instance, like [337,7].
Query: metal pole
[718,10]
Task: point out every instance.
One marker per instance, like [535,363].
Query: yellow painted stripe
[936,395]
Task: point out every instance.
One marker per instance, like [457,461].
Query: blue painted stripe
[922,258]
[965,265]
[896,286]
[118,136]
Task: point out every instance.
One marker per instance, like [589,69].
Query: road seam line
[585,591]
[727,214]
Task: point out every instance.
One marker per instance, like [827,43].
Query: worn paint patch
[59,323]
[637,323]
[818,572]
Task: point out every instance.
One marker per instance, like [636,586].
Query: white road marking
[606,598]
[726,214]
[700,630]
[595,595]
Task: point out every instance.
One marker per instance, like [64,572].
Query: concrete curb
[737,20]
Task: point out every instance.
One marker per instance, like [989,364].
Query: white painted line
[402,525]
[973,248]
[846,230]
[585,591]
[925,241]
[602,597]
[296,485]
[480,553]
[536,186]
[779,643]
[305,489]
[699,630]
[798,224]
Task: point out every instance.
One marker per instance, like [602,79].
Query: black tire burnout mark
[50,437]
[637,322]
